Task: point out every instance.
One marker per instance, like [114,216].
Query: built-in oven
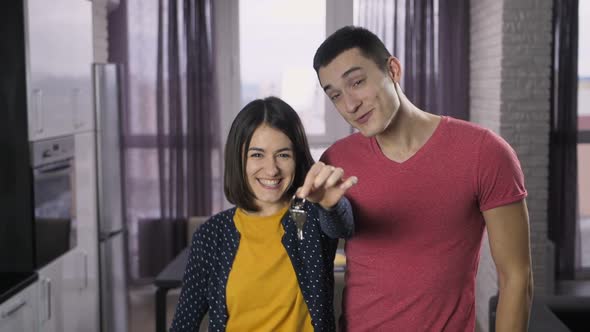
[54,198]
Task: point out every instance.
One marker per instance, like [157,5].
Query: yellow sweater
[262,292]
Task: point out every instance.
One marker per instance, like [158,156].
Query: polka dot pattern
[213,249]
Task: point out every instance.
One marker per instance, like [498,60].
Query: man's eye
[334,97]
[358,82]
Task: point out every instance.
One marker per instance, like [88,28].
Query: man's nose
[351,102]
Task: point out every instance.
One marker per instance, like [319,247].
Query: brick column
[510,65]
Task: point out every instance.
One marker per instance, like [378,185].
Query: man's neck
[408,131]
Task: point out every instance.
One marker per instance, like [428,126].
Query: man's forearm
[514,304]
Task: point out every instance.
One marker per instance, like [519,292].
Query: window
[157,157]
[278,39]
[584,134]
[277,42]
[140,147]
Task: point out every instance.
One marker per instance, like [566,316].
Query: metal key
[298,214]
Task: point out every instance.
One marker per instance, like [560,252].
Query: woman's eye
[358,82]
[256,155]
[285,155]
[334,97]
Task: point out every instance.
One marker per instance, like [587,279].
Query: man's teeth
[269,182]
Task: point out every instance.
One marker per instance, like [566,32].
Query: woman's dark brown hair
[276,114]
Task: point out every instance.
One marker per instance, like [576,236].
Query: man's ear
[394,69]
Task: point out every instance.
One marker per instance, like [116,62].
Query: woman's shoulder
[218,221]
[223,215]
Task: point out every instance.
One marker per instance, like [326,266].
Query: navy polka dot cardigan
[213,250]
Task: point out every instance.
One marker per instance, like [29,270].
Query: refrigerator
[111,227]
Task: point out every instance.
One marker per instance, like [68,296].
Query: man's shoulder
[463,134]
[472,132]
[465,127]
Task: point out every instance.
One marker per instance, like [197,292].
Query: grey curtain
[186,118]
[431,39]
[185,108]
[172,154]
[563,163]
[453,49]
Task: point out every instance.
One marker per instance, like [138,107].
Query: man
[427,187]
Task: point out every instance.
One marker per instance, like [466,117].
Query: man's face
[363,94]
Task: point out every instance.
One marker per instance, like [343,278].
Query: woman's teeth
[270,183]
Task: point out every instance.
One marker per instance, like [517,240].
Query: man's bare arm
[508,232]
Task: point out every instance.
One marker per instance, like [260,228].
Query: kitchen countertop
[12,283]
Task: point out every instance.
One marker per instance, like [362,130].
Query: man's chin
[367,132]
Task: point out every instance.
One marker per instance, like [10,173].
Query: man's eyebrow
[348,72]
[344,75]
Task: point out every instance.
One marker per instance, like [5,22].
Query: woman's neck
[268,210]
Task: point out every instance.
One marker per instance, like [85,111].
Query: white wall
[510,65]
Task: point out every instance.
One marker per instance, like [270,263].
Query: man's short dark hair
[347,38]
[277,114]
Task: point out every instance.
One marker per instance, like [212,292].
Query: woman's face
[270,168]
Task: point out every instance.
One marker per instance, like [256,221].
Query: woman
[247,266]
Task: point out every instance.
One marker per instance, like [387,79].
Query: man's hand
[325,184]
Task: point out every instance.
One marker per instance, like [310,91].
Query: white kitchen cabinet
[69,286]
[63,294]
[19,313]
[59,55]
[53,285]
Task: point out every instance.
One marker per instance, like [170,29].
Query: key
[298,214]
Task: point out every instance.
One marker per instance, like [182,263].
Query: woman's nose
[271,167]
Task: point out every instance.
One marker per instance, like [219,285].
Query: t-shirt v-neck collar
[424,149]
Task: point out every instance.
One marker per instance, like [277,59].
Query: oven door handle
[54,168]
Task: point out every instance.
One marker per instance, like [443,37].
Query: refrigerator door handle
[38,104]
[85,262]
[78,122]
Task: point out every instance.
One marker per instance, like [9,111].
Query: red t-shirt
[412,261]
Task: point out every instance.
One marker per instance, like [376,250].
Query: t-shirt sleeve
[325,157]
[500,180]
